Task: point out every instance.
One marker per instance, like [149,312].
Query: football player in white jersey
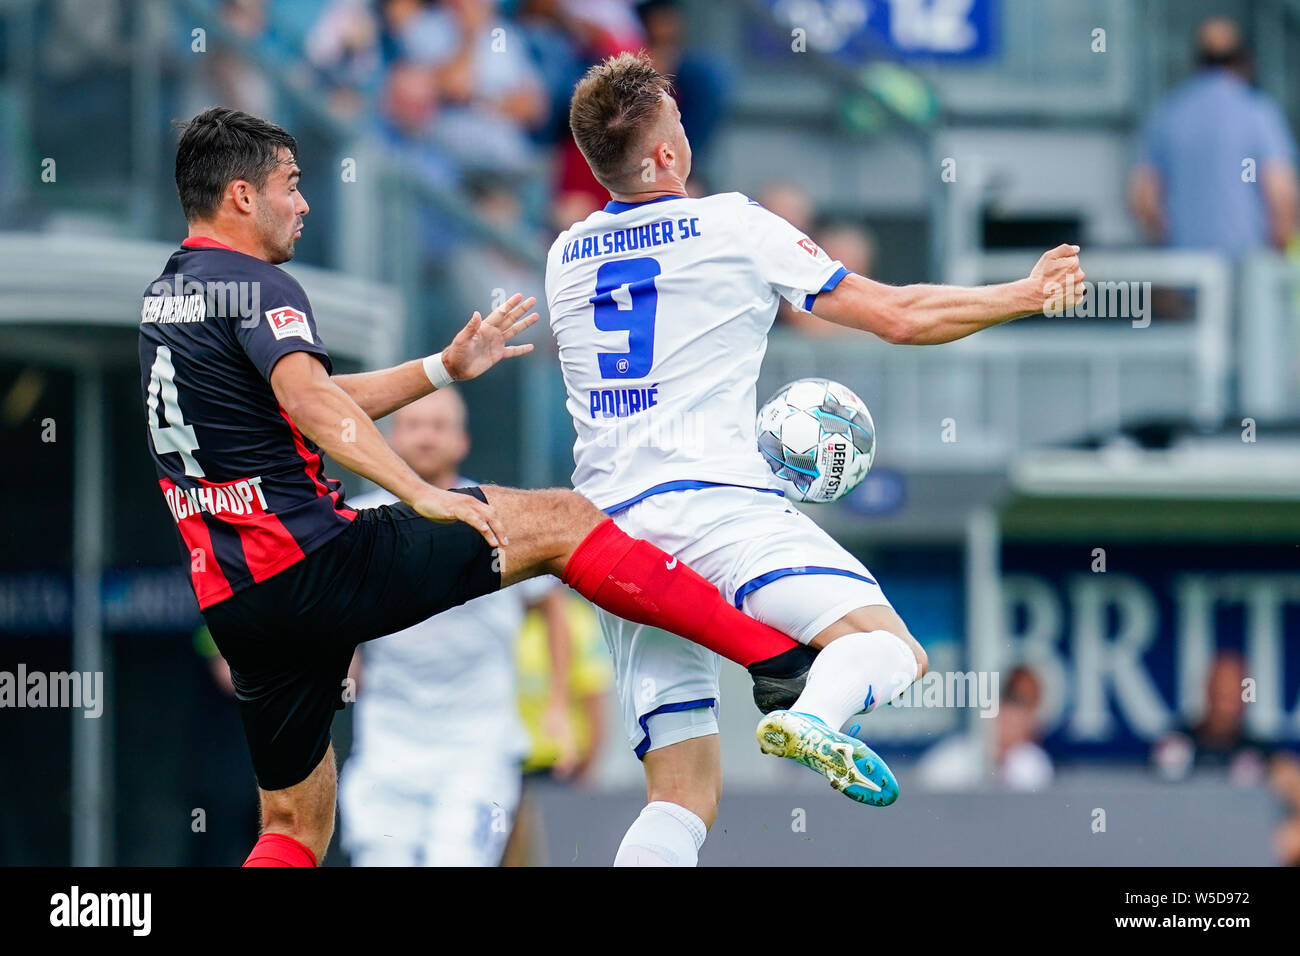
[661,305]
[410,796]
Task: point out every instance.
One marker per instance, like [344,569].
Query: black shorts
[289,639]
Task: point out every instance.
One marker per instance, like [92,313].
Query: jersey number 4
[174,437]
[632,312]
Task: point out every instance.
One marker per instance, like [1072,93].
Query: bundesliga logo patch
[286,322]
[810,247]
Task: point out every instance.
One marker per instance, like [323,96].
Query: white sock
[665,834]
[854,674]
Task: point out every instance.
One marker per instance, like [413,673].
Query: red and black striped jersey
[246,488]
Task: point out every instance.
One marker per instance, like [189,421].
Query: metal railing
[977,402]
[1268,363]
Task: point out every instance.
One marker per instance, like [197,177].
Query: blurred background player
[410,796]
[563,748]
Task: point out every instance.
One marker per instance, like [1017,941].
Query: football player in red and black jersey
[240,401]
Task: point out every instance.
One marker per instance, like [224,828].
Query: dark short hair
[613,106]
[219,146]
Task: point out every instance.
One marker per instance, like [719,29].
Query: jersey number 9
[637,320]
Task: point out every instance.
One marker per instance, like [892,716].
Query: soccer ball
[818,439]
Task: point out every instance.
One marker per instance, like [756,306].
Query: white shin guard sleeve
[856,673]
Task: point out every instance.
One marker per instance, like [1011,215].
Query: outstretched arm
[326,414]
[474,350]
[933,314]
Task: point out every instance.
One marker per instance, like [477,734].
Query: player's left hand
[482,342]
[1058,277]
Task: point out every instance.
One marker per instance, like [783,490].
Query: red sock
[637,581]
[276,849]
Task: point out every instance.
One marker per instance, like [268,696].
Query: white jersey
[447,679]
[661,310]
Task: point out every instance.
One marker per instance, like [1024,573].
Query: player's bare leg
[304,813]
[683,787]
[868,647]
[558,531]
[688,774]
[876,618]
[545,528]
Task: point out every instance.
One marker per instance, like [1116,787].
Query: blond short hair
[612,108]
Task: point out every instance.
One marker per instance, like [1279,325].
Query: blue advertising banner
[139,599]
[1123,638]
[909,29]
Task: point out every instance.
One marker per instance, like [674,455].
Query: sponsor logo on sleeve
[287,322]
[810,247]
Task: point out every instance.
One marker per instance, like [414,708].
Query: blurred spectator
[851,244]
[1019,761]
[1219,740]
[1284,776]
[490,95]
[225,76]
[484,275]
[83,34]
[409,105]
[700,85]
[560,60]
[1217,162]
[600,28]
[404,123]
[790,201]
[575,34]
[434,775]
[344,48]
[563,747]
[591,30]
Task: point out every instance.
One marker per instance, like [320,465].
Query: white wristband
[437,371]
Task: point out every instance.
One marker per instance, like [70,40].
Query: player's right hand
[438,505]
